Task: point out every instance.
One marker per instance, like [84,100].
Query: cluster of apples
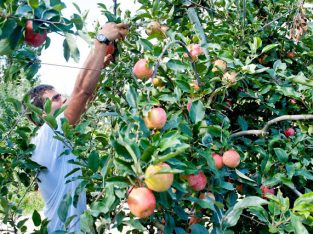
[230,158]
[220,65]
[141,200]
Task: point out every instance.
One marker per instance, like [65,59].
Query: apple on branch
[158,182]
[141,202]
[156,118]
[231,158]
[142,70]
[197,181]
[33,38]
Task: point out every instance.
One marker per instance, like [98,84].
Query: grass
[32,201]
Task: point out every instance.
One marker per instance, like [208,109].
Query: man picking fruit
[49,151]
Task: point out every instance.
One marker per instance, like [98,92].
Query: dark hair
[36,98]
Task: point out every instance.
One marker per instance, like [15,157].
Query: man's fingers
[122,26]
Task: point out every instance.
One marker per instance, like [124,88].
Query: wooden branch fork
[264,130]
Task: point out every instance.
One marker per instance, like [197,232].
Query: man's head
[40,93]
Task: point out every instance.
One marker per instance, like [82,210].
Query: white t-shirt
[52,181]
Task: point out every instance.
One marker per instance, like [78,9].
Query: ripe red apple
[193,220]
[218,160]
[289,132]
[219,65]
[266,189]
[156,118]
[33,38]
[229,78]
[109,49]
[158,182]
[239,188]
[141,202]
[231,158]
[291,54]
[195,50]
[197,181]
[141,69]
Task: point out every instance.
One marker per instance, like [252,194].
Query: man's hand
[114,31]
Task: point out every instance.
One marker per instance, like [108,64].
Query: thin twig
[296,191]
[263,131]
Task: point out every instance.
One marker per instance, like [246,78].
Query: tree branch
[263,131]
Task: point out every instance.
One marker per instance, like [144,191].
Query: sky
[62,78]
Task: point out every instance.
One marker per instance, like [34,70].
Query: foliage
[115,146]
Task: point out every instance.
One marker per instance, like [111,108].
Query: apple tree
[202,125]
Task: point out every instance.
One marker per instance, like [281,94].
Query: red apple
[195,50]
[239,188]
[189,105]
[158,182]
[218,160]
[197,181]
[219,65]
[289,132]
[33,38]
[229,78]
[231,158]
[141,69]
[156,118]
[194,220]
[291,54]
[141,202]
[110,49]
[266,189]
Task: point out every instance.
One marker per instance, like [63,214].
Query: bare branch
[264,130]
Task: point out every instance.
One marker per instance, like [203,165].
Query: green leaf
[243,176]
[86,223]
[250,202]
[197,111]
[179,150]
[47,106]
[269,47]
[147,45]
[71,44]
[51,121]
[93,161]
[198,229]
[5,48]
[176,65]
[33,3]
[64,206]
[306,198]
[281,155]
[132,96]
[231,218]
[297,225]
[36,218]
[242,123]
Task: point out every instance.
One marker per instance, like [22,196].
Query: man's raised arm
[87,79]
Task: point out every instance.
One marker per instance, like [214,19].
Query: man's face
[57,100]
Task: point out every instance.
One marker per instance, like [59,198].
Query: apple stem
[155,70]
[264,130]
